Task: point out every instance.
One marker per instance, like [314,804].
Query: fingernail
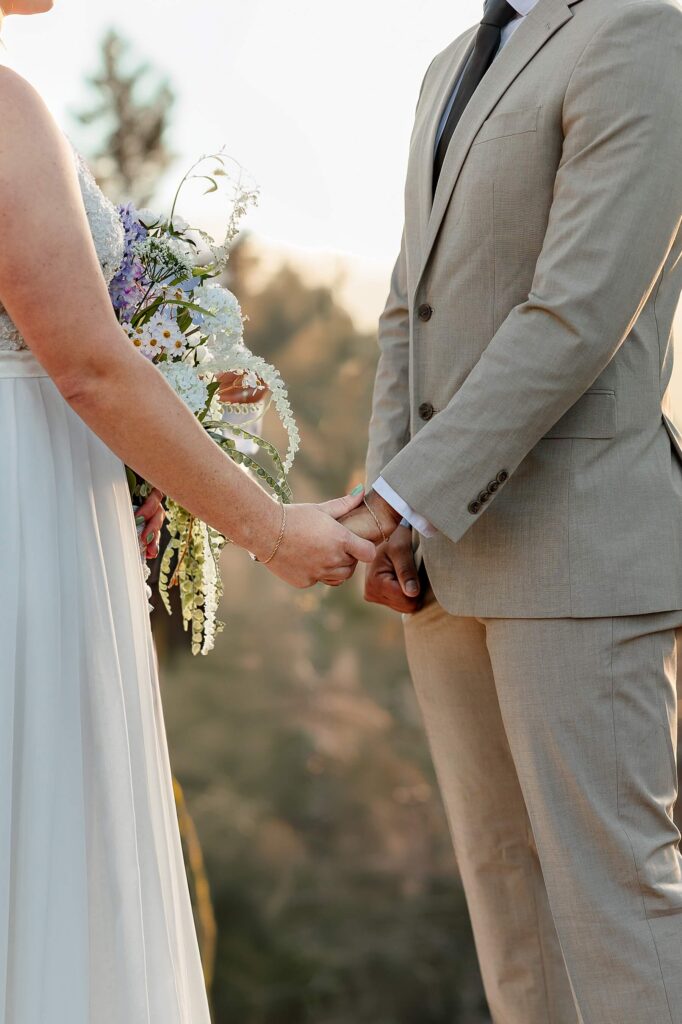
[139,520]
[357,490]
[412,588]
[150,538]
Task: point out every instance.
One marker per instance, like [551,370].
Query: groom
[522,427]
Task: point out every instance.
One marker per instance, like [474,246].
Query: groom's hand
[364,524]
[392,578]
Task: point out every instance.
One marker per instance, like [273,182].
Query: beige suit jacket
[522,397]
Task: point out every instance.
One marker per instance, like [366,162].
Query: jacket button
[425,312]
[426,411]
[502,476]
[475,508]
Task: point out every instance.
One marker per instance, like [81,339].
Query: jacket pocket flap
[593,415]
[512,122]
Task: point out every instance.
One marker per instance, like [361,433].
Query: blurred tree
[131,115]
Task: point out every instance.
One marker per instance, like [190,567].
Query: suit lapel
[539,26]
[440,94]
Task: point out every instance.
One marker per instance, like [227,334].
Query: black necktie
[498,13]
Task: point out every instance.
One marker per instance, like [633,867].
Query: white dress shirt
[410,516]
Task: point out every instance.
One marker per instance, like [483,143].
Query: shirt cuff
[410,517]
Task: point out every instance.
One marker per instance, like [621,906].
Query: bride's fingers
[359,549]
[154,524]
[151,532]
[339,507]
[150,506]
[341,574]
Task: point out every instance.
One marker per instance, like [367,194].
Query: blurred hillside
[300,749]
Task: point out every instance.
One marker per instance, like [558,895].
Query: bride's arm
[52,287]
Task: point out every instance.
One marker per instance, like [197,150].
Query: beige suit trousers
[554,741]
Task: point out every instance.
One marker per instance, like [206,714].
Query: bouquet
[168,300]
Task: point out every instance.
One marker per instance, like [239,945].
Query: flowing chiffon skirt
[96,924]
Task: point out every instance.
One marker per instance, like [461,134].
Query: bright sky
[315,99]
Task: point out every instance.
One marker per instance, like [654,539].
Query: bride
[95,918]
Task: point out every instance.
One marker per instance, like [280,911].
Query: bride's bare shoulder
[25,119]
[16,90]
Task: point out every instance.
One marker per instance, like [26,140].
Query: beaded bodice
[108,236]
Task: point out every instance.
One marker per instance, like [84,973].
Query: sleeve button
[493,487]
[475,508]
[484,497]
[502,476]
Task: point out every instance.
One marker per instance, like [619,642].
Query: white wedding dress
[95,918]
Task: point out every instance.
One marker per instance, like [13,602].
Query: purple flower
[129,285]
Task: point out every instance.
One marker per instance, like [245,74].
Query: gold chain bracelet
[266,561]
[376,520]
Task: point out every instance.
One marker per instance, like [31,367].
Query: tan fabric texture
[554,743]
[551,263]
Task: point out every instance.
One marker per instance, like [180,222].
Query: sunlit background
[314,99]
[320,862]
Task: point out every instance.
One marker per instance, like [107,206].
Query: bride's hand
[316,548]
[149,519]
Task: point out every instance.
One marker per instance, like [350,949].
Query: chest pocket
[511,122]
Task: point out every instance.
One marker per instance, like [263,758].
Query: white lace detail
[108,235]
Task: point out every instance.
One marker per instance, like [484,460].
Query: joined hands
[392,579]
[324,543]
[316,546]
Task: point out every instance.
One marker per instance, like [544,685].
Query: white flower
[200,248]
[187,383]
[149,218]
[212,592]
[159,336]
[222,323]
[202,354]
[179,223]
[164,258]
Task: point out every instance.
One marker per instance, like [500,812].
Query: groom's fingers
[382,585]
[384,588]
[400,553]
[406,571]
